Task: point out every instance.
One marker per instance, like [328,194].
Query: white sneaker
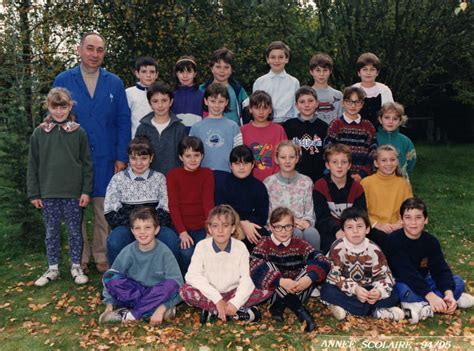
[391,313]
[338,312]
[465,300]
[315,293]
[170,313]
[49,275]
[417,311]
[78,275]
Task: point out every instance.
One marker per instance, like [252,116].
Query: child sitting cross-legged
[425,282]
[145,278]
[360,281]
[289,266]
[218,279]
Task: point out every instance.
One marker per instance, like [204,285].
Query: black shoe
[207,316]
[277,310]
[248,314]
[304,315]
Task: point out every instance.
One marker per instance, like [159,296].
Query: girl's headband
[186,59]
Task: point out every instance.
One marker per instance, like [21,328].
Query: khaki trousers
[99,234]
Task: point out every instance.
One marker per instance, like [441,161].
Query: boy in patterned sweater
[359,281]
[357,133]
[289,266]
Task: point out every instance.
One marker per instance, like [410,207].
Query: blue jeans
[408,295]
[335,296]
[183,256]
[122,236]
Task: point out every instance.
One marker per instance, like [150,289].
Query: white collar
[278,242]
[133,176]
[349,121]
[356,248]
[282,74]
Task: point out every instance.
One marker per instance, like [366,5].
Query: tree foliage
[426,48]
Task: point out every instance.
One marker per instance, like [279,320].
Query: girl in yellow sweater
[385,191]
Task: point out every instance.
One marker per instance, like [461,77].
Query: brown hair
[222,54]
[279,213]
[140,146]
[388,147]
[368,58]
[144,213]
[305,90]
[278,45]
[321,59]
[230,214]
[58,97]
[353,90]
[337,149]
[397,108]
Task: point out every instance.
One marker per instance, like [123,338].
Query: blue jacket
[105,118]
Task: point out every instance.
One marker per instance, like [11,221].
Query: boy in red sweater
[191,197]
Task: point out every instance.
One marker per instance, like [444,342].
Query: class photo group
[236,203]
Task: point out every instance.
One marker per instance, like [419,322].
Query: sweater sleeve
[162,193]
[410,157]
[332,136]
[208,193]
[381,275]
[195,275]
[262,204]
[366,169]
[238,139]
[33,187]
[246,286]
[86,164]
[121,264]
[308,205]
[173,201]
[318,265]
[173,272]
[336,274]
[265,274]
[113,195]
[325,223]
[439,269]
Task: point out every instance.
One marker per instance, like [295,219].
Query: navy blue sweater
[412,260]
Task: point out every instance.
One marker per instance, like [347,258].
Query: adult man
[102,110]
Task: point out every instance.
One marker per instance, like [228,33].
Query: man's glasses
[279,228]
[354,102]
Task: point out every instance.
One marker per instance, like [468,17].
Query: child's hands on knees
[374,296]
[436,302]
[84,200]
[157,316]
[362,294]
[250,231]
[37,203]
[340,234]
[230,309]
[303,283]
[386,228]
[221,310]
[451,303]
[288,284]
[186,240]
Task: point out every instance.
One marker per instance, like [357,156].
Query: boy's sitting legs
[127,292]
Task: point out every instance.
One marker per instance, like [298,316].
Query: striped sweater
[269,262]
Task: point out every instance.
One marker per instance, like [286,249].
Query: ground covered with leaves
[65,316]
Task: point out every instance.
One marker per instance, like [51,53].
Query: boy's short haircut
[190,142]
[353,90]
[215,89]
[241,153]
[140,146]
[145,61]
[334,149]
[222,54]
[260,98]
[144,213]
[279,213]
[159,87]
[322,60]
[354,213]
[413,203]
[305,90]
[85,35]
[397,108]
[278,45]
[368,58]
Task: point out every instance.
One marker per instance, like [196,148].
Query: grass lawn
[63,316]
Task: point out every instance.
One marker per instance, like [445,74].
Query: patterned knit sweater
[269,262]
[294,193]
[360,137]
[359,265]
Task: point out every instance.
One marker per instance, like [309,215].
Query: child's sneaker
[170,313]
[338,312]
[114,316]
[207,316]
[247,314]
[417,311]
[392,313]
[465,300]
[49,275]
[78,275]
